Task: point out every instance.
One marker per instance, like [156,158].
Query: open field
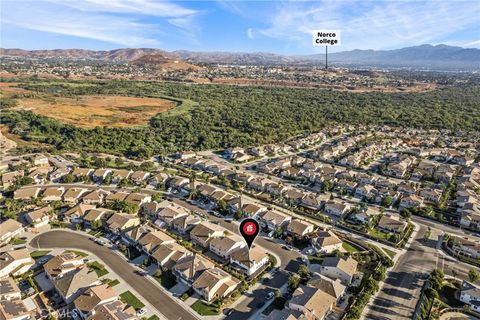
[90,111]
[95,110]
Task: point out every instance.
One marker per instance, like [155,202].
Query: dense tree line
[235,115]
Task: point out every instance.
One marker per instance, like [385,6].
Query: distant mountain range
[439,57]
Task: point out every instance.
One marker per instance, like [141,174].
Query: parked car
[141,312]
[100,242]
[269,295]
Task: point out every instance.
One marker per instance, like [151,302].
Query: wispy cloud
[124,22]
[372,24]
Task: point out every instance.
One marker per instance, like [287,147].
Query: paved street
[165,304]
[254,300]
[399,295]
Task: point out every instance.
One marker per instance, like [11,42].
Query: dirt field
[90,111]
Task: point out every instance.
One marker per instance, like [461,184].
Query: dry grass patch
[90,111]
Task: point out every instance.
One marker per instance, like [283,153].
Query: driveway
[149,291]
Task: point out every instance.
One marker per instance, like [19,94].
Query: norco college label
[326,38]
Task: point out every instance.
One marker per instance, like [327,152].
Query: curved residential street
[165,304]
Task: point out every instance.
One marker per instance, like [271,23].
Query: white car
[269,295]
[141,312]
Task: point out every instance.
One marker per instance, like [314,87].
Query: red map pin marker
[249,228]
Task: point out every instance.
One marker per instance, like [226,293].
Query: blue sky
[249,26]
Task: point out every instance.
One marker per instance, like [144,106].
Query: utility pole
[326,58]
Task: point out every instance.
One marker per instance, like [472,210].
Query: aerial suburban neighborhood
[239,160]
[95,234]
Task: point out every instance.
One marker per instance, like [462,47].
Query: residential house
[62,264]
[100,174]
[168,255]
[40,160]
[14,309]
[470,294]
[407,188]
[205,232]
[15,262]
[249,262]
[120,174]
[364,216]
[88,301]
[119,222]
[115,310]
[96,215]
[158,179]
[335,288]
[326,242]
[26,193]
[71,285]
[313,303]
[391,225]
[170,213]
[366,191]
[431,195]
[185,155]
[184,224]
[178,182]
[342,268]
[470,220]
[293,196]
[139,177]
[10,229]
[336,208]
[9,178]
[73,195]
[411,201]
[252,209]
[138,198]
[76,213]
[313,201]
[273,219]
[9,290]
[150,241]
[53,194]
[39,217]
[215,284]
[152,208]
[82,173]
[57,175]
[466,247]
[116,196]
[40,174]
[189,269]
[95,197]
[258,184]
[299,228]
[225,246]
[275,189]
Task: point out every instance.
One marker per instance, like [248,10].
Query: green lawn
[390,253]
[39,253]
[379,234]
[98,268]
[17,241]
[78,253]
[204,309]
[57,224]
[128,298]
[96,233]
[154,317]
[347,246]
[111,283]
[315,259]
